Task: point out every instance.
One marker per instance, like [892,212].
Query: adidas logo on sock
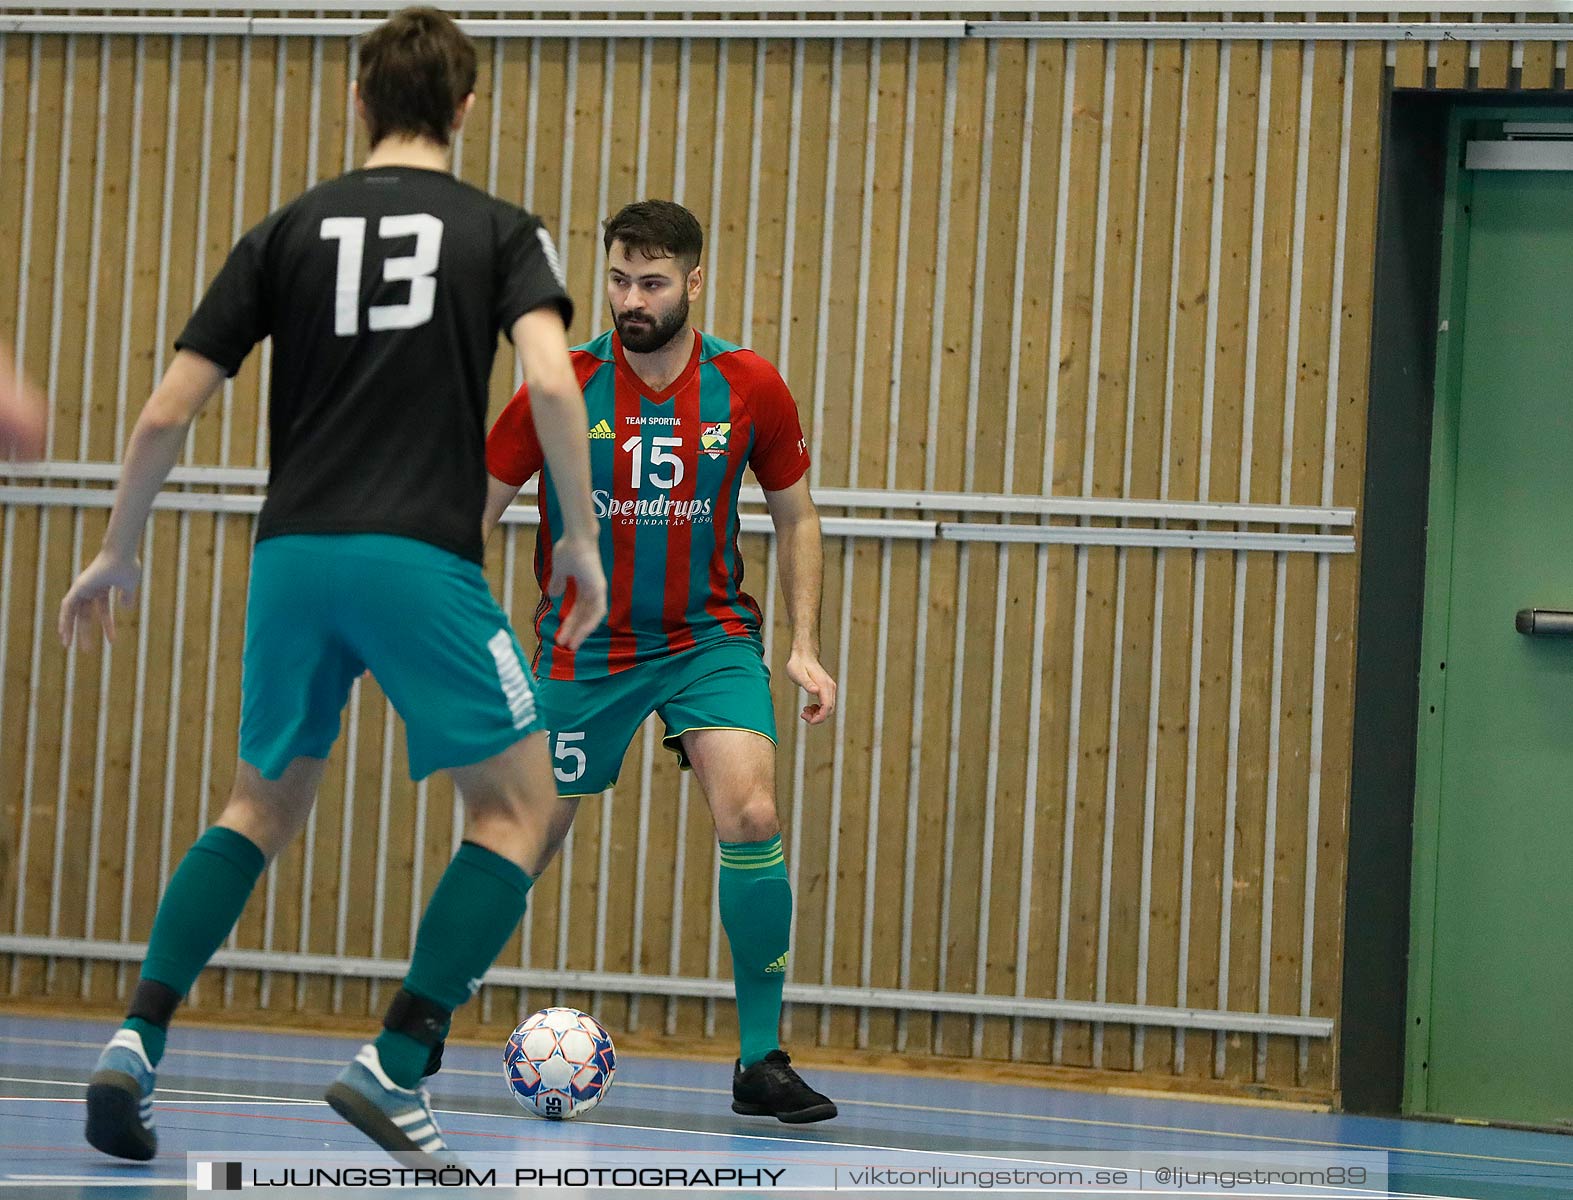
[601,430]
[778,967]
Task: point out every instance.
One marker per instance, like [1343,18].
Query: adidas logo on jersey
[601,430]
[778,967]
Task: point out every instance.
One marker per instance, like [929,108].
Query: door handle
[1544,622]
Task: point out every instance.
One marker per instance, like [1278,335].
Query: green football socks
[200,906]
[478,903]
[756,912]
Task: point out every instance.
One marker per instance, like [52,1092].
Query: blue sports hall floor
[230,1091]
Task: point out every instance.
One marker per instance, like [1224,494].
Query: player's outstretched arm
[802,558]
[560,424]
[21,413]
[155,445]
[499,495]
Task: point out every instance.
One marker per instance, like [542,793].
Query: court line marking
[1134,1126]
[77,1083]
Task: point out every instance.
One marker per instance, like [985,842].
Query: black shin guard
[154,1003]
[422,1020]
[416,1017]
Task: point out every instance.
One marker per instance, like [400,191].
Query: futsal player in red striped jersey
[675,417]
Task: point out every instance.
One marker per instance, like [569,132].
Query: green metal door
[1491,1003]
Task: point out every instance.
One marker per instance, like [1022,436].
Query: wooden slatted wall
[1086,268]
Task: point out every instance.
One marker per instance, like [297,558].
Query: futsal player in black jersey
[384,292]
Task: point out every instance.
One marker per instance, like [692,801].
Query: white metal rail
[616,28]
[623,983]
[78,498]
[742,8]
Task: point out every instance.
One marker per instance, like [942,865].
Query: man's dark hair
[416,68]
[657,228]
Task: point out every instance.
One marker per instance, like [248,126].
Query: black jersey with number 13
[384,291]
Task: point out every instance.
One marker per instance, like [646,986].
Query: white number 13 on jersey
[415,269]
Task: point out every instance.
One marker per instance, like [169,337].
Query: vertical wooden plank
[923,300]
[621,188]
[829,309]
[15,72]
[247,405]
[1409,68]
[73,225]
[1452,65]
[69,803]
[1276,308]
[1082,425]
[1123,822]
[222,150]
[550,135]
[1540,60]
[1146,473]
[959,631]
[471,146]
[1248,670]
[582,232]
[1030,217]
[1496,65]
[1179,481]
[1306,477]
[114,133]
[768,265]
[1218,857]
[877,221]
[918,273]
[726,227]
[1046,779]
[504,93]
[1008,617]
[660,176]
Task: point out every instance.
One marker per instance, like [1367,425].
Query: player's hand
[804,670]
[578,578]
[91,598]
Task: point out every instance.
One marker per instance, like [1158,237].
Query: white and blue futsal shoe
[398,1119]
[120,1100]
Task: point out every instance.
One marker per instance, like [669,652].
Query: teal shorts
[725,685]
[322,608]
